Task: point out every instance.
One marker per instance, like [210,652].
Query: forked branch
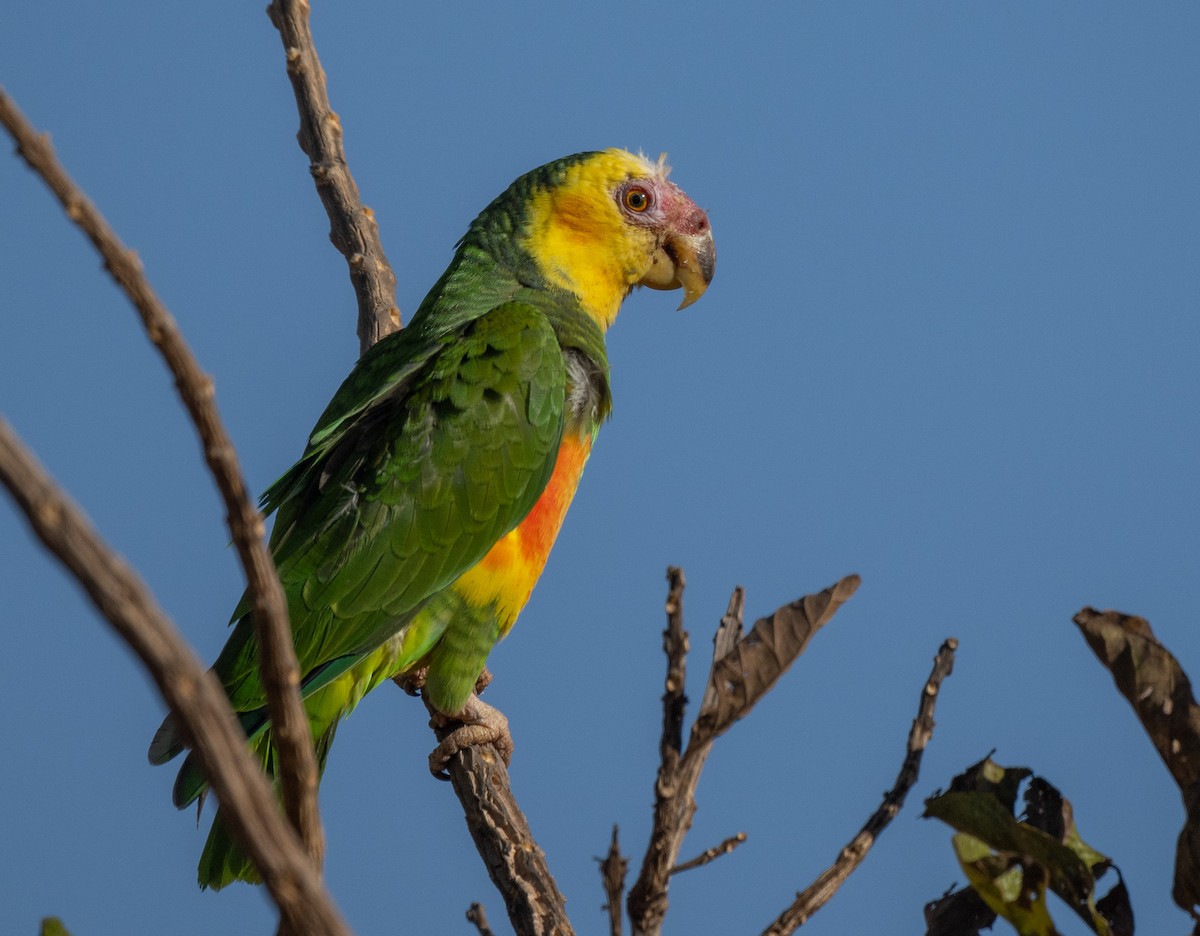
[745,667]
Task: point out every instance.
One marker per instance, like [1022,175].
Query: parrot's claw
[480,724]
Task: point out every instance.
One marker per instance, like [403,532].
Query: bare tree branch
[817,894]
[353,229]
[297,768]
[515,863]
[711,854]
[673,804]
[612,874]
[191,691]
[745,667]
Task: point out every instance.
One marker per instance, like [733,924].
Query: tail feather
[222,862]
[167,742]
[190,783]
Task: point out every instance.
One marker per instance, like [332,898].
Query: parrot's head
[598,224]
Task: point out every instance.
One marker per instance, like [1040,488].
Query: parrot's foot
[480,724]
[484,680]
[412,681]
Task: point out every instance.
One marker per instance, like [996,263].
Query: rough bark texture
[515,863]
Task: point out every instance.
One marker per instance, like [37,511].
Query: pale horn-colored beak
[684,261]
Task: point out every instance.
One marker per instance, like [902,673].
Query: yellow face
[615,222]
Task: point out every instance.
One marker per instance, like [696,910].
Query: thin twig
[612,874]
[191,691]
[711,854]
[817,894]
[353,229]
[476,915]
[297,766]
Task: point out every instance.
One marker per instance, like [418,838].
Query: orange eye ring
[637,199]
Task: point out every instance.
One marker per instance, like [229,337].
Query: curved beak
[684,261]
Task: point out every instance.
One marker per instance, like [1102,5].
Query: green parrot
[410,534]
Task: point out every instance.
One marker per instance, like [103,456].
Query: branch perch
[277,659]
[515,863]
[480,780]
[191,691]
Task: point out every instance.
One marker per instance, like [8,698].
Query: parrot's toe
[411,681]
[480,724]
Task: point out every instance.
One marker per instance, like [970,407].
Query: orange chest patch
[537,532]
[507,574]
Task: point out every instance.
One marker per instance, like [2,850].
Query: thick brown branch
[745,667]
[612,874]
[352,225]
[191,691]
[515,863]
[280,673]
[817,894]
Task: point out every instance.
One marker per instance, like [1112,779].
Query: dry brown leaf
[1160,692]
[744,675]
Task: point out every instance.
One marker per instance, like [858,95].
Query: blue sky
[951,345]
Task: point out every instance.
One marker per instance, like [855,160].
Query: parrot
[411,532]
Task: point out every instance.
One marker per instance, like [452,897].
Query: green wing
[426,457]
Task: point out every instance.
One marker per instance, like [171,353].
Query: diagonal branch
[353,229]
[745,667]
[280,672]
[817,894]
[191,691]
[515,863]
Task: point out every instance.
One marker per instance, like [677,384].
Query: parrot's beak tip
[687,262]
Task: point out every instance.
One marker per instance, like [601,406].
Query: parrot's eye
[637,199]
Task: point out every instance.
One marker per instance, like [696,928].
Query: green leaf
[1005,887]
[1012,864]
